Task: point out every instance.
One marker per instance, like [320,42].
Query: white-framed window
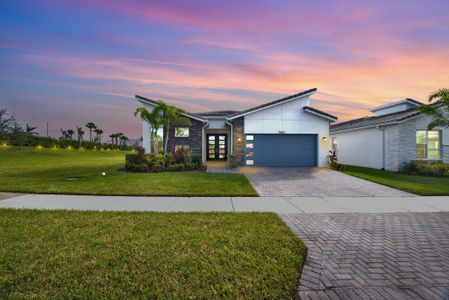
[428,144]
[181,131]
[250,137]
[250,145]
[249,162]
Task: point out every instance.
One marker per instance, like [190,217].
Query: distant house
[396,134]
[283,133]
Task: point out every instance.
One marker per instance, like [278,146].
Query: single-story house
[283,133]
[396,134]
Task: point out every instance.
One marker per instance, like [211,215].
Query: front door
[216,147]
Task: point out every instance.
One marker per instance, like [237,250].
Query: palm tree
[70,133]
[438,109]
[63,134]
[80,133]
[98,133]
[91,126]
[123,140]
[118,136]
[112,136]
[30,130]
[171,116]
[154,119]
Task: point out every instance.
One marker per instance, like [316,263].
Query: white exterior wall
[360,148]
[290,118]
[146,132]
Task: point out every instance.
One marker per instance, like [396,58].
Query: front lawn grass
[79,172]
[420,185]
[122,255]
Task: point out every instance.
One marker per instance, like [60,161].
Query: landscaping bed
[181,159]
[416,184]
[68,254]
[63,171]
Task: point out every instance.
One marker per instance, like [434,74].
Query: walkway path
[374,256]
[282,205]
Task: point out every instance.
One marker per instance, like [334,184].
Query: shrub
[175,168]
[233,161]
[131,158]
[333,161]
[156,168]
[426,168]
[197,159]
[178,154]
[187,158]
[141,155]
[133,167]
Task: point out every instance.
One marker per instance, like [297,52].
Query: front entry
[217,147]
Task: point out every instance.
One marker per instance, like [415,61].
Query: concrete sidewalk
[280,205]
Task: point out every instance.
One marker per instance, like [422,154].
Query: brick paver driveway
[374,256]
[313,182]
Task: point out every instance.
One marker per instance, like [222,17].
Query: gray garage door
[281,150]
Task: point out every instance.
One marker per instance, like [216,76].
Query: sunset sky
[70,62]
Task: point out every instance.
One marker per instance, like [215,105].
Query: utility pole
[47,129]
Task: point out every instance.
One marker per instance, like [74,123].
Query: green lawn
[68,254]
[420,185]
[79,172]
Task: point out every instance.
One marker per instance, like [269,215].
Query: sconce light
[239,139]
[324,139]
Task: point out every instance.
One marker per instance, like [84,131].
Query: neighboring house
[396,134]
[283,133]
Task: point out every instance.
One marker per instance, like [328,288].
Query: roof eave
[152,103]
[321,115]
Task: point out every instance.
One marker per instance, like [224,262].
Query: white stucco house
[396,134]
[286,132]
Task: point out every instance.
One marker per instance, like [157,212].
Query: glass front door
[216,147]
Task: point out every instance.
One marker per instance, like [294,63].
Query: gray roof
[320,112]
[202,116]
[218,113]
[376,120]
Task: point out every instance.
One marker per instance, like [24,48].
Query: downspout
[383,147]
[203,132]
[232,137]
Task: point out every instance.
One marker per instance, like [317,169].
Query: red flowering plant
[179,153]
[333,161]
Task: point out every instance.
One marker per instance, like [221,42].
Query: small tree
[80,133]
[30,130]
[6,121]
[438,109]
[98,133]
[123,140]
[154,119]
[171,116]
[17,135]
[91,126]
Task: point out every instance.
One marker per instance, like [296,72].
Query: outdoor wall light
[239,139]
[324,139]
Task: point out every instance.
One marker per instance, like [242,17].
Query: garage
[281,150]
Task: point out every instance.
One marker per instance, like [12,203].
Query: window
[428,144]
[249,162]
[181,132]
[250,145]
[250,137]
